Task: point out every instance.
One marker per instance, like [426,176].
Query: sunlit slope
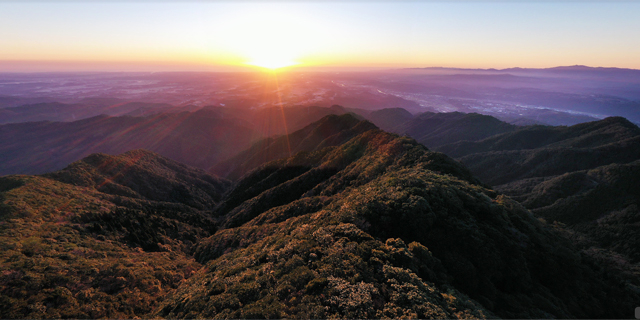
[109,243]
[381,227]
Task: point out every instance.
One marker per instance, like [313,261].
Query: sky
[223,35]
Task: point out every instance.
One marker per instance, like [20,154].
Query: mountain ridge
[376,225]
[536,151]
[380,186]
[328,131]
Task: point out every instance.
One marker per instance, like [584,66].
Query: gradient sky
[209,35]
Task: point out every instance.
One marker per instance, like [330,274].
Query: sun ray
[284,119]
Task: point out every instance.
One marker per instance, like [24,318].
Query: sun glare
[272,39]
[272,64]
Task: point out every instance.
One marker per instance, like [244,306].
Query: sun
[270,39]
[272,62]
[271,45]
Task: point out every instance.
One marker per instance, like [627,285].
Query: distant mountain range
[55,111]
[575,69]
[195,138]
[509,94]
[360,223]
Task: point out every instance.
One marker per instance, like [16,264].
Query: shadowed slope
[584,176]
[584,135]
[602,203]
[437,129]
[540,151]
[389,119]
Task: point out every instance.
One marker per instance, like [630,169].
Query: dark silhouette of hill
[198,138]
[143,174]
[389,119]
[540,151]
[53,111]
[380,226]
[270,120]
[579,70]
[329,131]
[437,129]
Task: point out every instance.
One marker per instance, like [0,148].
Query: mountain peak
[146,175]
[331,130]
[620,120]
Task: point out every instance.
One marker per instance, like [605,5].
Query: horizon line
[326,68]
